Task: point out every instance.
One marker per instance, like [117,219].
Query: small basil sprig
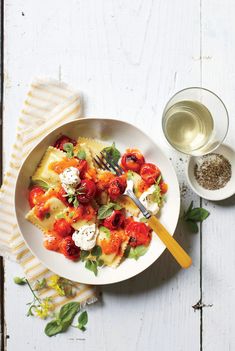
[19,280]
[68,148]
[112,153]
[82,321]
[135,252]
[92,259]
[41,183]
[63,320]
[81,154]
[194,215]
[106,210]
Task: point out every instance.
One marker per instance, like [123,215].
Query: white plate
[125,135]
[219,194]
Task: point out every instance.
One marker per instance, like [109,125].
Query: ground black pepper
[212,171]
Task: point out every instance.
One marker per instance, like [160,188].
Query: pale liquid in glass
[188,126]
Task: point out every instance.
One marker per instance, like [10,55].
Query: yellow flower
[54,282]
[44,309]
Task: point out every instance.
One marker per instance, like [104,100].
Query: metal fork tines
[105,163]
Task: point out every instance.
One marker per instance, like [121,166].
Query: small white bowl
[214,195]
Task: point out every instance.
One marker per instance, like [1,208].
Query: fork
[172,245]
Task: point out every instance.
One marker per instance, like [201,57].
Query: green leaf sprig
[106,210]
[135,252]
[64,319]
[194,215]
[92,259]
[68,148]
[112,153]
[82,321]
[81,154]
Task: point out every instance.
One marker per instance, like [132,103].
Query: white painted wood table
[127,58]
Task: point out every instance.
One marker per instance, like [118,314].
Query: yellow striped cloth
[48,104]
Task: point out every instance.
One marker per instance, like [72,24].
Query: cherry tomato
[41,211]
[149,173]
[62,228]
[69,249]
[51,241]
[35,196]
[132,160]
[139,234]
[163,187]
[115,220]
[113,244]
[60,195]
[117,187]
[59,144]
[87,191]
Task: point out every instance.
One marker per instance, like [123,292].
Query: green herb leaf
[84,254]
[81,154]
[143,220]
[40,284]
[193,226]
[92,266]
[112,153]
[47,215]
[100,263]
[68,148]
[106,210]
[130,175]
[40,183]
[71,214]
[82,320]
[68,311]
[75,202]
[96,251]
[54,327]
[198,214]
[70,199]
[127,251]
[19,281]
[156,195]
[105,230]
[137,251]
[60,215]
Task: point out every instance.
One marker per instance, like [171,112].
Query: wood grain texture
[127,58]
[218,259]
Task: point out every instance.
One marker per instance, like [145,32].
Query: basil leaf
[96,251]
[54,327]
[40,183]
[100,263]
[84,254]
[137,251]
[198,214]
[81,154]
[68,311]
[193,226]
[82,320]
[112,153]
[68,148]
[47,215]
[75,202]
[71,214]
[105,230]
[106,210]
[19,281]
[92,266]
[127,251]
[143,220]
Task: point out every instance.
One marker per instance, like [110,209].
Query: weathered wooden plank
[127,58]
[218,265]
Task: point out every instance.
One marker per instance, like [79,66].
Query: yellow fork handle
[175,249]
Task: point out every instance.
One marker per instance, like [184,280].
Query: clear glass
[195,121]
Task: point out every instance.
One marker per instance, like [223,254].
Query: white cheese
[85,237]
[70,179]
[147,200]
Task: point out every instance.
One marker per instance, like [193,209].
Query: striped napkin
[48,104]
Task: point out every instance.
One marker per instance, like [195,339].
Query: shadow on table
[226,203]
[158,274]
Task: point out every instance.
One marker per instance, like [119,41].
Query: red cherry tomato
[62,228]
[115,220]
[117,187]
[139,234]
[88,212]
[87,190]
[59,144]
[60,194]
[42,210]
[149,173]
[51,242]
[69,249]
[35,196]
[163,187]
[132,160]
